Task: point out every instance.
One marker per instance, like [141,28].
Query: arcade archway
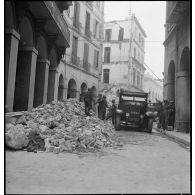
[72,89]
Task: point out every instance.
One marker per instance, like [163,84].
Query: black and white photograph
[97,97]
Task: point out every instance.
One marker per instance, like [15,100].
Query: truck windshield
[130,98]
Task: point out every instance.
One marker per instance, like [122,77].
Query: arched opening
[83,91]
[60,87]
[42,69]
[72,89]
[184,92]
[171,82]
[26,65]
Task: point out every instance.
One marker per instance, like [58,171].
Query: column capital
[13,32]
[43,61]
[28,48]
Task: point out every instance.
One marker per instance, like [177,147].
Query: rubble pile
[62,127]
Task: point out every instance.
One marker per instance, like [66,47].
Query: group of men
[166,114]
[89,100]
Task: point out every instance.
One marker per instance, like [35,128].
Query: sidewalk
[180,137]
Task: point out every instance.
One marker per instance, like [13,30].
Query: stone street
[147,163]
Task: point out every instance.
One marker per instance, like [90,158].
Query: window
[96,58]
[95,28]
[100,31]
[134,52]
[106,75]
[74,50]
[86,54]
[138,56]
[134,77]
[107,54]
[108,35]
[138,80]
[76,14]
[121,33]
[87,24]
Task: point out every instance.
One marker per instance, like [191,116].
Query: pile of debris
[60,127]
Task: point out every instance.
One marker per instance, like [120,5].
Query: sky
[151,15]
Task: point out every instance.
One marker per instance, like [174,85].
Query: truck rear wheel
[150,125]
[117,122]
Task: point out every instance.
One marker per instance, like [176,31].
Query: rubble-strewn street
[59,127]
[147,163]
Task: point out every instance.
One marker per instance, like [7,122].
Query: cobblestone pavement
[147,163]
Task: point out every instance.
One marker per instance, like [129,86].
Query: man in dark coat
[88,101]
[103,105]
[99,107]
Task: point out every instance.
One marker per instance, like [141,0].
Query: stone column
[65,91]
[41,82]
[25,78]
[183,116]
[11,54]
[52,92]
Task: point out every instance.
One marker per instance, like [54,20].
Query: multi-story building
[123,52]
[82,62]
[153,88]
[36,37]
[177,64]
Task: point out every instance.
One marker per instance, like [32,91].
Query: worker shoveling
[60,127]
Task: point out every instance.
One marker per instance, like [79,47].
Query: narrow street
[147,163]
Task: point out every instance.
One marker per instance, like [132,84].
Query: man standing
[103,106]
[99,106]
[88,101]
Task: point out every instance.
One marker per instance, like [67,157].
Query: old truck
[133,111]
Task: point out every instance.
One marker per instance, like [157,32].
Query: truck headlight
[127,114]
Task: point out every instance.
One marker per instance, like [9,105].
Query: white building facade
[124,52]
[153,87]
[81,66]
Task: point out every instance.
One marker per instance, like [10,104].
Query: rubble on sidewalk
[64,127]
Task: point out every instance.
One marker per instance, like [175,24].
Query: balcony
[59,20]
[88,33]
[176,10]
